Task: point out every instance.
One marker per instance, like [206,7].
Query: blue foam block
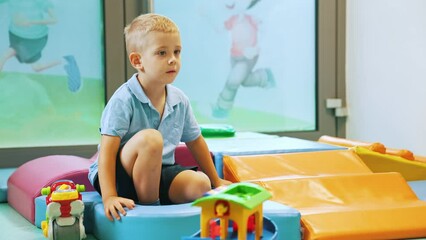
[148,222]
[163,222]
[286,218]
[4,176]
[176,221]
[261,145]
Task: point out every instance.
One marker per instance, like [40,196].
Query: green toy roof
[248,195]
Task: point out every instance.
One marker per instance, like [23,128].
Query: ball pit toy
[239,204]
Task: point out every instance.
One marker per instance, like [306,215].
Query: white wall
[386,72]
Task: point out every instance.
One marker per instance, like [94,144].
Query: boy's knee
[188,186]
[202,183]
[150,138]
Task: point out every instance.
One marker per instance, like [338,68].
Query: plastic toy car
[65,210]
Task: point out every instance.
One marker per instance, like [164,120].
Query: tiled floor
[14,226]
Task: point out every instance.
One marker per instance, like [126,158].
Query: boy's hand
[114,205]
[221,182]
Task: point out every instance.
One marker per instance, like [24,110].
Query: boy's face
[160,57]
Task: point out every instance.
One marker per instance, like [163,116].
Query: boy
[142,124]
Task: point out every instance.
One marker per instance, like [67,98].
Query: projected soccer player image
[51,72]
[248,63]
[244,53]
[28,37]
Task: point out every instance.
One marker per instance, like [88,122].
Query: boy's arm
[107,157]
[201,153]
[107,179]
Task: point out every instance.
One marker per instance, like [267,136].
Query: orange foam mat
[366,225]
[354,206]
[292,165]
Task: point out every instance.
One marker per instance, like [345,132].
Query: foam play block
[292,165]
[352,225]
[147,222]
[353,206]
[286,218]
[25,183]
[176,221]
[263,144]
[377,162]
[151,221]
[336,201]
[4,176]
[217,130]
[404,153]
[184,157]
[420,158]
[373,146]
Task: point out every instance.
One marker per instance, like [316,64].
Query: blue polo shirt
[129,111]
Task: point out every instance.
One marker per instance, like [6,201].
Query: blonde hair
[142,25]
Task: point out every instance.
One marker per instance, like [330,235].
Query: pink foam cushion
[184,157]
[25,183]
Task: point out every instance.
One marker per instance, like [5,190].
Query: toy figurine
[64,213]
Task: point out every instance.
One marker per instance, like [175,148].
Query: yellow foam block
[377,162]
[420,158]
[292,165]
[354,206]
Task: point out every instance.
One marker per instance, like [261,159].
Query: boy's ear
[135,60]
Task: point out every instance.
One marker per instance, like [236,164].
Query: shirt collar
[173,97]
[136,88]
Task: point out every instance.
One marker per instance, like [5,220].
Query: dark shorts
[27,50]
[126,188]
